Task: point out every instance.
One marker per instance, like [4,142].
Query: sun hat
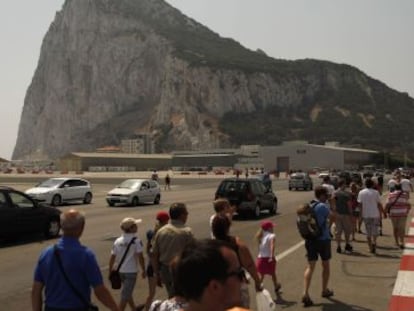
[162,216]
[128,222]
[266,225]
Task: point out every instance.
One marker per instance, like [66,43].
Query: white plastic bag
[264,301]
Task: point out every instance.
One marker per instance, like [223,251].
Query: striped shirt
[399,202]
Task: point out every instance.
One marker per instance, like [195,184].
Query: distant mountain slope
[108,69]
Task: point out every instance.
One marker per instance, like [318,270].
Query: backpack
[307,223]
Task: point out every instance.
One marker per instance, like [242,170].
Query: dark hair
[369,183]
[341,182]
[220,204]
[221,227]
[200,262]
[319,191]
[177,209]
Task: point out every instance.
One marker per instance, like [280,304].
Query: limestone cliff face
[108,69]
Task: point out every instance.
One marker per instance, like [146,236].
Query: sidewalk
[402,298]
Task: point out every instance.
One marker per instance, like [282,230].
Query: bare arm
[140,258]
[37,298]
[104,296]
[247,262]
[111,263]
[272,246]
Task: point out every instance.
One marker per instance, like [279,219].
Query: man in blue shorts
[319,247]
[80,266]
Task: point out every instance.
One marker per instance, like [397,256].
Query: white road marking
[289,250]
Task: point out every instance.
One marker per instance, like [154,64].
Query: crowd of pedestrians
[214,273]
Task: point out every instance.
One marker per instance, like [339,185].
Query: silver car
[300,181]
[135,191]
[56,191]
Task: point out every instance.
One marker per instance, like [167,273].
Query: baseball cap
[128,222]
[266,225]
[162,216]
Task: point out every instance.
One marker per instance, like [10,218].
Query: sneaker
[327,293]
[278,288]
[348,248]
[307,302]
[339,250]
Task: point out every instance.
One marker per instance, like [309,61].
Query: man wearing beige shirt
[168,243]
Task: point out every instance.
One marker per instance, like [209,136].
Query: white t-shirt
[130,264]
[369,198]
[391,183]
[265,250]
[405,185]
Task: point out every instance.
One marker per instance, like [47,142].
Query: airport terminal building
[303,156]
[283,158]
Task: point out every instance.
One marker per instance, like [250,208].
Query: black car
[249,195]
[20,214]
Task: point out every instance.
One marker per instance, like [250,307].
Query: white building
[305,157]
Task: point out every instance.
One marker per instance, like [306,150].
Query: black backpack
[307,222]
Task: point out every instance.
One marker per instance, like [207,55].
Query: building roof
[120,155]
[343,148]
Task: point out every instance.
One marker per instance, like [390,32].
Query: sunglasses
[239,273]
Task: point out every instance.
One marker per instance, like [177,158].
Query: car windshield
[50,183]
[129,184]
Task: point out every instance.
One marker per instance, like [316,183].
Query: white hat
[128,222]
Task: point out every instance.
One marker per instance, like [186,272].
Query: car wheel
[135,201]
[52,228]
[88,198]
[273,209]
[111,204]
[56,200]
[157,199]
[256,212]
[290,188]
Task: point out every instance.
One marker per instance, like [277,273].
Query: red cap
[266,225]
[163,216]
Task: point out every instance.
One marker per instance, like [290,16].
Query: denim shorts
[128,285]
[315,248]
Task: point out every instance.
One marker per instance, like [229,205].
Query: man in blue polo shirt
[319,247]
[80,266]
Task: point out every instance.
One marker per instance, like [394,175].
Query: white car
[135,191]
[55,191]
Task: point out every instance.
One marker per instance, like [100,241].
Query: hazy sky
[377,36]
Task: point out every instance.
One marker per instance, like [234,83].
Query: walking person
[168,243]
[356,210]
[266,260]
[67,271]
[343,222]
[398,208]
[318,247]
[167,182]
[327,184]
[221,231]
[129,248]
[162,219]
[221,207]
[371,210]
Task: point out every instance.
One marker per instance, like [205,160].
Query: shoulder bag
[89,305]
[115,276]
[388,206]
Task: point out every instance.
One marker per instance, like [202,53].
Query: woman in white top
[129,268]
[266,260]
